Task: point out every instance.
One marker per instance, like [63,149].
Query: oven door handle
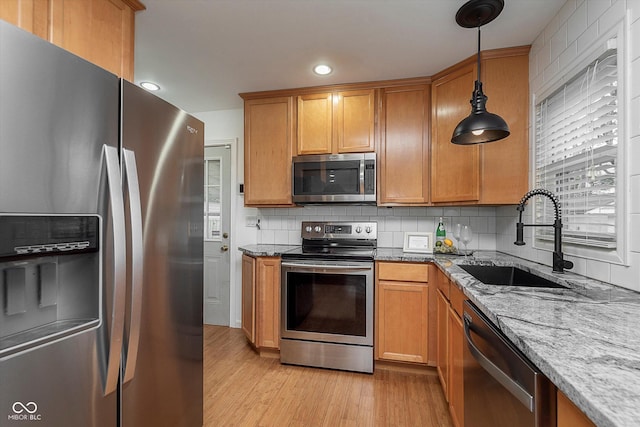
[505,380]
[332,267]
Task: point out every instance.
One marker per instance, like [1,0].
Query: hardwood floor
[244,389]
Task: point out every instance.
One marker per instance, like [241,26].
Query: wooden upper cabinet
[354,121]
[30,15]
[336,122]
[505,163]
[403,152]
[315,123]
[455,169]
[268,139]
[100,31]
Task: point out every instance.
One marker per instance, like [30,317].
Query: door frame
[234,254]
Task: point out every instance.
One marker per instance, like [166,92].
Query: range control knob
[358,229]
[317,229]
[368,229]
[308,229]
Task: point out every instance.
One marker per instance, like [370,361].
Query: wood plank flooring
[244,389]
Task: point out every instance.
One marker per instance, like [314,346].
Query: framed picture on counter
[418,242]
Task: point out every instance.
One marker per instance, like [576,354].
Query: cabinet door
[354,121]
[267,151]
[505,163]
[456,367]
[442,342]
[30,15]
[268,302]
[101,31]
[315,121]
[404,146]
[248,299]
[454,168]
[402,321]
[569,415]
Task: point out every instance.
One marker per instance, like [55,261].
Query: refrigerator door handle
[116,329]
[137,260]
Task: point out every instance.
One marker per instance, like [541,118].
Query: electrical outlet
[251,220]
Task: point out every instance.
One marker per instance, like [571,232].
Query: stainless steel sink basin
[508,276]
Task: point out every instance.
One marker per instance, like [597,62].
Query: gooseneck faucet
[559,264]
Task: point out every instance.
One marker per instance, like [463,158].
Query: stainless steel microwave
[334,178]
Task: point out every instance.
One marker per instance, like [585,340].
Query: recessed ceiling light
[150,86]
[322,69]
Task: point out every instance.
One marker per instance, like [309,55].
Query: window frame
[619,254]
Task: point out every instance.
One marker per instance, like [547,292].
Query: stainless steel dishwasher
[502,388]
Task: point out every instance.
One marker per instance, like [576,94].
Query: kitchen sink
[508,276]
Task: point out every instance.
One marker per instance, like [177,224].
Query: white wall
[577,27]
[229,125]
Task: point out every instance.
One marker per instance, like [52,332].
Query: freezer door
[57,115]
[164,388]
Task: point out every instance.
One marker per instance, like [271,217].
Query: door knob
[225,235]
[224,248]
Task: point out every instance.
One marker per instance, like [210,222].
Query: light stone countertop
[585,339]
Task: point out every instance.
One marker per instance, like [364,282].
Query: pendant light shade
[480,126]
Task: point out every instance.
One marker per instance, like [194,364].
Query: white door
[217,203]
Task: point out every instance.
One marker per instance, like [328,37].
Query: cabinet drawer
[457,298]
[403,271]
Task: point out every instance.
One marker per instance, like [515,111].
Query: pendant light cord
[478,53]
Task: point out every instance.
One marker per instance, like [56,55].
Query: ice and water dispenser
[49,278]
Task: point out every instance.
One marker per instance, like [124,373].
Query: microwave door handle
[116,329]
[507,382]
[362,177]
[137,259]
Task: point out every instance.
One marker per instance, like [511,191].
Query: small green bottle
[441,233]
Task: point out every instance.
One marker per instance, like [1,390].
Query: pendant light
[480,126]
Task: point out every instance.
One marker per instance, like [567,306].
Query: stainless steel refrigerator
[101,227]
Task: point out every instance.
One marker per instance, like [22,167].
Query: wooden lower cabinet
[451,345]
[402,312]
[261,301]
[456,365]
[442,340]
[569,415]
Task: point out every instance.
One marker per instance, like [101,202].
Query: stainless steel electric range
[327,297]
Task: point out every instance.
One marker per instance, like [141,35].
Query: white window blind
[576,155]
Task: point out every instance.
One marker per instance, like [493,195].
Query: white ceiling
[204,52]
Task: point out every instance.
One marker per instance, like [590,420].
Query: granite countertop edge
[582,338]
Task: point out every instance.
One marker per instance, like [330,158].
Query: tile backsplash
[283,225]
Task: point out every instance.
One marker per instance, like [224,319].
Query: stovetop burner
[336,240]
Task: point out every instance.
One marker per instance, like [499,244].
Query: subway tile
[569,55]
[385,239]
[354,210]
[281,237]
[595,9]
[558,43]
[634,196]
[338,210]
[551,71]
[627,276]
[577,23]
[634,232]
[451,211]
[435,212]
[409,224]
[588,37]
[567,10]
[599,270]
[611,17]
[398,239]
[393,223]
[634,154]
[369,210]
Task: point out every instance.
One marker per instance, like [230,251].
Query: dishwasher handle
[505,380]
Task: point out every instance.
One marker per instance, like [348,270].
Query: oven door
[327,301]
